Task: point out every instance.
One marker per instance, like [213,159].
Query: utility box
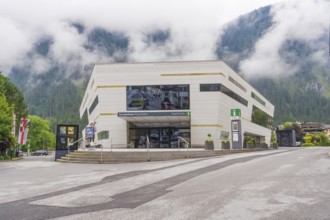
[66,139]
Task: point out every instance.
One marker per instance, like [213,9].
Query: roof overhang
[157,119]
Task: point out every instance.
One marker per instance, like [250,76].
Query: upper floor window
[219,87]
[94,104]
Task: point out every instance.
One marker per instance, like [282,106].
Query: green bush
[1,158]
[308,145]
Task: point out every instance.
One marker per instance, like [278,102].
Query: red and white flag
[23,131]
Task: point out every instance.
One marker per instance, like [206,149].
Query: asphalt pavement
[288,183]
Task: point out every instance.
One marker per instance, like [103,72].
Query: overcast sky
[195,26]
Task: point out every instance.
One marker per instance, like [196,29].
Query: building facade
[165,104]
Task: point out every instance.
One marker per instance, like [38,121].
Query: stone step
[138,156]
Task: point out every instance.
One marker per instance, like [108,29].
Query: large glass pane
[154,138]
[157,97]
[261,118]
[174,138]
[164,138]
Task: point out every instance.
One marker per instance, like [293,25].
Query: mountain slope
[302,96]
[54,80]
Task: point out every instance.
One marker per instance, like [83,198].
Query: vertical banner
[23,131]
[236,134]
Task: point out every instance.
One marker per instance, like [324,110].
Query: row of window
[253,95]
[261,118]
[94,104]
[221,88]
[237,84]
[203,88]
[258,116]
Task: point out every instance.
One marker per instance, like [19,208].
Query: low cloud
[303,21]
[194,28]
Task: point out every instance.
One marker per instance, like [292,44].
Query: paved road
[281,184]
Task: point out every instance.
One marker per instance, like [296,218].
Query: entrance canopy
[157,119]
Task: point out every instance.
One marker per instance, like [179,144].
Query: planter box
[275,146]
[209,145]
[225,145]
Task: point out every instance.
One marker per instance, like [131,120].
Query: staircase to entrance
[140,155]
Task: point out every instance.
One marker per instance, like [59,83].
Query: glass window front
[157,97]
[94,104]
[261,118]
[167,137]
[253,95]
[219,87]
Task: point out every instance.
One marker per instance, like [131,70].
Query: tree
[287,125]
[6,125]
[40,135]
[14,98]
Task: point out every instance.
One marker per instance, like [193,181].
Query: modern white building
[160,103]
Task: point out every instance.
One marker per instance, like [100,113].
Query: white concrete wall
[210,111]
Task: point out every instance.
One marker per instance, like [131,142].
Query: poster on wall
[62,129]
[235,125]
[235,136]
[89,132]
[70,130]
[157,97]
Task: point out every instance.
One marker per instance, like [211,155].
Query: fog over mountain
[194,27]
[49,47]
[303,21]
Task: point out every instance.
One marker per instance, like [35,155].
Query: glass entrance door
[154,138]
[158,137]
[165,138]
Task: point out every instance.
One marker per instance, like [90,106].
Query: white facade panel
[210,111]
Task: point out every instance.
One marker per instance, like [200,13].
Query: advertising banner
[158,97]
[89,132]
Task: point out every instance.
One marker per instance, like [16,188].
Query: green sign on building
[235,112]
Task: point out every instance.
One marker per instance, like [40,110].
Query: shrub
[209,138]
[308,145]
[1,158]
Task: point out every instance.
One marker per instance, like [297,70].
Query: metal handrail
[104,144]
[71,145]
[186,142]
[148,147]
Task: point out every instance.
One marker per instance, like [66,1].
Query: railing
[71,145]
[182,139]
[110,141]
[148,147]
[185,142]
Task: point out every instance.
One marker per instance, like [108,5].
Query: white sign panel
[235,137]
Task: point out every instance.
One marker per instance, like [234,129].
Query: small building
[286,138]
[311,127]
[164,102]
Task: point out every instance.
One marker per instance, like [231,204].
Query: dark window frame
[93,105]
[218,87]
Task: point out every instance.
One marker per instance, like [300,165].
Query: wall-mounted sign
[236,134]
[235,125]
[235,137]
[152,114]
[235,112]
